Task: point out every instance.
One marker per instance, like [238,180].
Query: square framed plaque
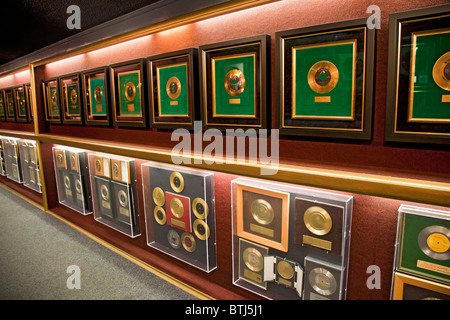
[423,243]
[128,86]
[71,99]
[10,110]
[172,83]
[418,83]
[20,103]
[407,287]
[2,107]
[96,96]
[233,78]
[52,104]
[325,80]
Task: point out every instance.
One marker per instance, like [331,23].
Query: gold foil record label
[177,182]
[130,91]
[188,242]
[262,211]
[441,71]
[200,208]
[173,87]
[201,229]
[158,196]
[322,281]
[285,269]
[323,76]
[98,94]
[253,259]
[434,241]
[160,215]
[317,220]
[234,82]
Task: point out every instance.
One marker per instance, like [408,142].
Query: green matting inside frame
[167,105]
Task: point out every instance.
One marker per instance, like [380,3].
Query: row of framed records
[281,233]
[324,83]
[422,254]
[19,162]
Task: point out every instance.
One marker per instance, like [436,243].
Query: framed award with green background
[234,76]
[128,81]
[69,86]
[423,243]
[29,101]
[2,107]
[20,104]
[418,96]
[325,80]
[9,105]
[52,107]
[173,97]
[95,86]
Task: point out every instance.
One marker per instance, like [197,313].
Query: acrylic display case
[12,159]
[72,178]
[114,193]
[290,242]
[30,165]
[180,213]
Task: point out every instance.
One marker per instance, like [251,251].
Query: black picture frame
[51,86]
[357,124]
[398,128]
[67,101]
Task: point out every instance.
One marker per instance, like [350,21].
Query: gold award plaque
[262,211]
[176,206]
[173,87]
[323,76]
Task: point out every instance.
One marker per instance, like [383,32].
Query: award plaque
[322,280]
[11,153]
[423,243]
[278,228]
[114,193]
[95,88]
[71,99]
[325,80]
[180,213]
[10,110]
[2,107]
[234,76]
[72,178]
[30,165]
[418,96]
[407,287]
[20,104]
[128,83]
[29,101]
[51,98]
[173,97]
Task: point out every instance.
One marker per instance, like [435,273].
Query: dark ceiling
[29,25]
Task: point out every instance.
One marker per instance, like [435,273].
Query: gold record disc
[285,269]
[434,241]
[317,220]
[130,91]
[158,196]
[173,87]
[441,71]
[53,98]
[98,94]
[200,208]
[234,82]
[253,259]
[78,186]
[177,182]
[322,281]
[123,198]
[176,207]
[201,229]
[67,182]
[188,242]
[104,191]
[73,96]
[262,211]
[323,76]
[160,215]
